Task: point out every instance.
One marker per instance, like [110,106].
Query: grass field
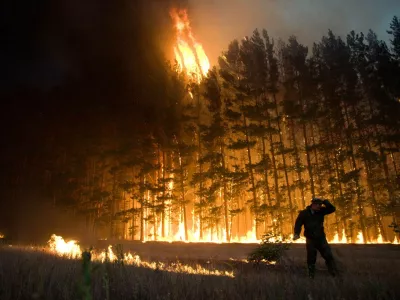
[367,272]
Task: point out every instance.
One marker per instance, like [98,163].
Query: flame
[189,53]
[177,233]
[379,240]
[58,245]
[180,235]
[336,239]
[360,238]
[71,249]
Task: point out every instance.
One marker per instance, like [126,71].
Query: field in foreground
[204,271]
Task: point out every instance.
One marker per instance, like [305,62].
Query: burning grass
[368,272]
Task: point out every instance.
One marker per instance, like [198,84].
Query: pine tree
[395,33]
[214,140]
[239,104]
[272,89]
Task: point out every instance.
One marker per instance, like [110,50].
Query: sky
[217,22]
[46,41]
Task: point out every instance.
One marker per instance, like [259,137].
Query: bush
[270,250]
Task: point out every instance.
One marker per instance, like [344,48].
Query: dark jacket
[313,223]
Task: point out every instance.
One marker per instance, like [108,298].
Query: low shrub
[270,250]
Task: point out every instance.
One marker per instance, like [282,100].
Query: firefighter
[313,220]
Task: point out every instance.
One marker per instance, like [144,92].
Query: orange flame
[58,245]
[336,239]
[177,233]
[71,249]
[189,53]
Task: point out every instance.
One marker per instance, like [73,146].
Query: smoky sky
[47,42]
[217,22]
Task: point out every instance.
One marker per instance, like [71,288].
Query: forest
[159,154]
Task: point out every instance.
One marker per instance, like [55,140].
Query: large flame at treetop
[189,53]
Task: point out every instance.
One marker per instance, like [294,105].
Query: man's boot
[311,271]
[331,267]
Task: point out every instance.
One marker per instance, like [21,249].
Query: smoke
[217,22]
[35,221]
[48,42]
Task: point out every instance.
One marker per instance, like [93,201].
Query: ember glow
[71,249]
[189,53]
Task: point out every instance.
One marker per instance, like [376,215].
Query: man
[313,220]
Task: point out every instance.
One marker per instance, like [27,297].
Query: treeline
[273,125]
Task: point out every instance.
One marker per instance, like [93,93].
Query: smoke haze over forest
[217,22]
[42,38]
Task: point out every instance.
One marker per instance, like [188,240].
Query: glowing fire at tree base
[251,238]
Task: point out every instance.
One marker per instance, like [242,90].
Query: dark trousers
[321,245]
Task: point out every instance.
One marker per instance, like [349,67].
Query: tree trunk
[306,146]
[284,162]
[183,196]
[201,187]
[267,189]
[383,161]
[112,211]
[357,181]
[332,173]
[200,155]
[319,179]
[225,191]
[276,178]
[298,163]
[164,193]
[142,196]
[252,180]
[365,143]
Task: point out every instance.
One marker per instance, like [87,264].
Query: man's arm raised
[329,208]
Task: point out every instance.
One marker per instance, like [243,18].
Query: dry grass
[369,272]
